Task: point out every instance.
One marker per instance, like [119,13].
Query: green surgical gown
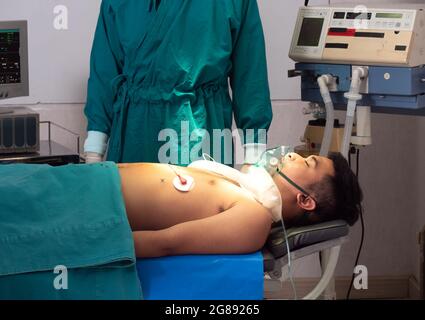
[168,64]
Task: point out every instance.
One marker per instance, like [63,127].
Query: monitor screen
[13,59]
[388,15]
[10,60]
[310,32]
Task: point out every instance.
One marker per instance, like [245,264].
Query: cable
[306,3]
[290,271]
[349,158]
[357,163]
[362,234]
[183,181]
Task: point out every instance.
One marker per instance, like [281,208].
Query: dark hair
[338,197]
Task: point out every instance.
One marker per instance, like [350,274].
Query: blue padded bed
[229,277]
[209,277]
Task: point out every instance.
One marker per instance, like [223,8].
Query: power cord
[362,224]
[349,157]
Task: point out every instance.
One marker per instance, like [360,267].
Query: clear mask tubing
[272,163]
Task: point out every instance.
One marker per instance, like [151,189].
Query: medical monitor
[13,59]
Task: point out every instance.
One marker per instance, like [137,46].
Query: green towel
[72,216]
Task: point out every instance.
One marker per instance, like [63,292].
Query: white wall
[392,170]
[389,179]
[278,28]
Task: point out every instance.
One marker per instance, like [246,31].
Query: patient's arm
[242,229]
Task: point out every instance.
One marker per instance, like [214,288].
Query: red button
[342,33]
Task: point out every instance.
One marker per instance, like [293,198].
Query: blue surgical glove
[95,146]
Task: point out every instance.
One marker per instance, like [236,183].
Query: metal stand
[329,293]
[49,134]
[325,288]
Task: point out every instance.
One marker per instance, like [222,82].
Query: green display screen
[8,30]
[390,15]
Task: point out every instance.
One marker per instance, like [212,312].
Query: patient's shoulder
[251,221]
[252,208]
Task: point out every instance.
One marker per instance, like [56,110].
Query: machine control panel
[360,35]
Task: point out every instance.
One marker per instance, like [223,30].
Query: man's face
[306,171]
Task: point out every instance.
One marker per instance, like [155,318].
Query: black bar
[338,30]
[370,34]
[339,15]
[359,15]
[400,48]
[337,45]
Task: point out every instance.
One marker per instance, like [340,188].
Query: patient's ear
[306,202]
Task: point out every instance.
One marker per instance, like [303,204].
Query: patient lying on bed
[218,217]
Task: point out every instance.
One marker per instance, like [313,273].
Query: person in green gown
[168,66]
